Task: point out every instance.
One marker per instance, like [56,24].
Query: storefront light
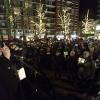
[98,27]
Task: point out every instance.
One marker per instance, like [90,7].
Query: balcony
[3,18]
[50,28]
[3,27]
[50,2]
[2,10]
[50,15]
[69,1]
[51,6]
[1,2]
[51,9]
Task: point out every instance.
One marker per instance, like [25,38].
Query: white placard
[82,60]
[66,53]
[21,73]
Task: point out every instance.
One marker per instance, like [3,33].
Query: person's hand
[79,62]
[65,56]
[6,52]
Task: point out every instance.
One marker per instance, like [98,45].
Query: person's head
[58,53]
[48,49]
[72,53]
[16,48]
[86,54]
[21,47]
[12,45]
[91,49]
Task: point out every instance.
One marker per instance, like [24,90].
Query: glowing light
[65,20]
[17,11]
[98,27]
[87,24]
[40,25]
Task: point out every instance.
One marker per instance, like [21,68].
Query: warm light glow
[98,37]
[11,18]
[40,25]
[87,24]
[98,27]
[17,11]
[65,20]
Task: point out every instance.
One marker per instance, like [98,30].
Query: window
[4,32]
[20,32]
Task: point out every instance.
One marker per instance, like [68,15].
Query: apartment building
[97,22]
[18,16]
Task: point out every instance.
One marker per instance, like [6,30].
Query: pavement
[65,90]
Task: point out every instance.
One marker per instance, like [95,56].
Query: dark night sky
[88,4]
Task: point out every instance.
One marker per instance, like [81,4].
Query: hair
[73,52]
[87,53]
[11,44]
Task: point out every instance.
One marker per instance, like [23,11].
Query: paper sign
[82,60]
[66,53]
[21,73]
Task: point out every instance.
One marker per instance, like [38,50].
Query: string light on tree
[87,24]
[65,20]
[40,25]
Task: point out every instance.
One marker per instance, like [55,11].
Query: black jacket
[9,80]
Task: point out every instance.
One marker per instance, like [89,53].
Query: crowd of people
[80,59]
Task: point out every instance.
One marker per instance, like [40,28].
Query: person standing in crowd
[71,66]
[97,73]
[10,88]
[17,54]
[82,48]
[86,73]
[56,63]
[47,58]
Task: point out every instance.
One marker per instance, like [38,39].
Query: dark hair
[2,44]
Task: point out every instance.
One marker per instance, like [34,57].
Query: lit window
[98,27]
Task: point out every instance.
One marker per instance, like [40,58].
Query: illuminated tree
[12,14]
[87,24]
[65,20]
[40,25]
[16,14]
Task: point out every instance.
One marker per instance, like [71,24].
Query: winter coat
[9,80]
[87,69]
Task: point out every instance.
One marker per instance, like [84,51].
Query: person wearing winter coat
[86,72]
[72,66]
[56,63]
[10,87]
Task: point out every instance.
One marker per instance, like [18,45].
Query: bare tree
[65,20]
[87,24]
[40,25]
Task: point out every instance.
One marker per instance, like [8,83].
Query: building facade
[21,17]
[97,22]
